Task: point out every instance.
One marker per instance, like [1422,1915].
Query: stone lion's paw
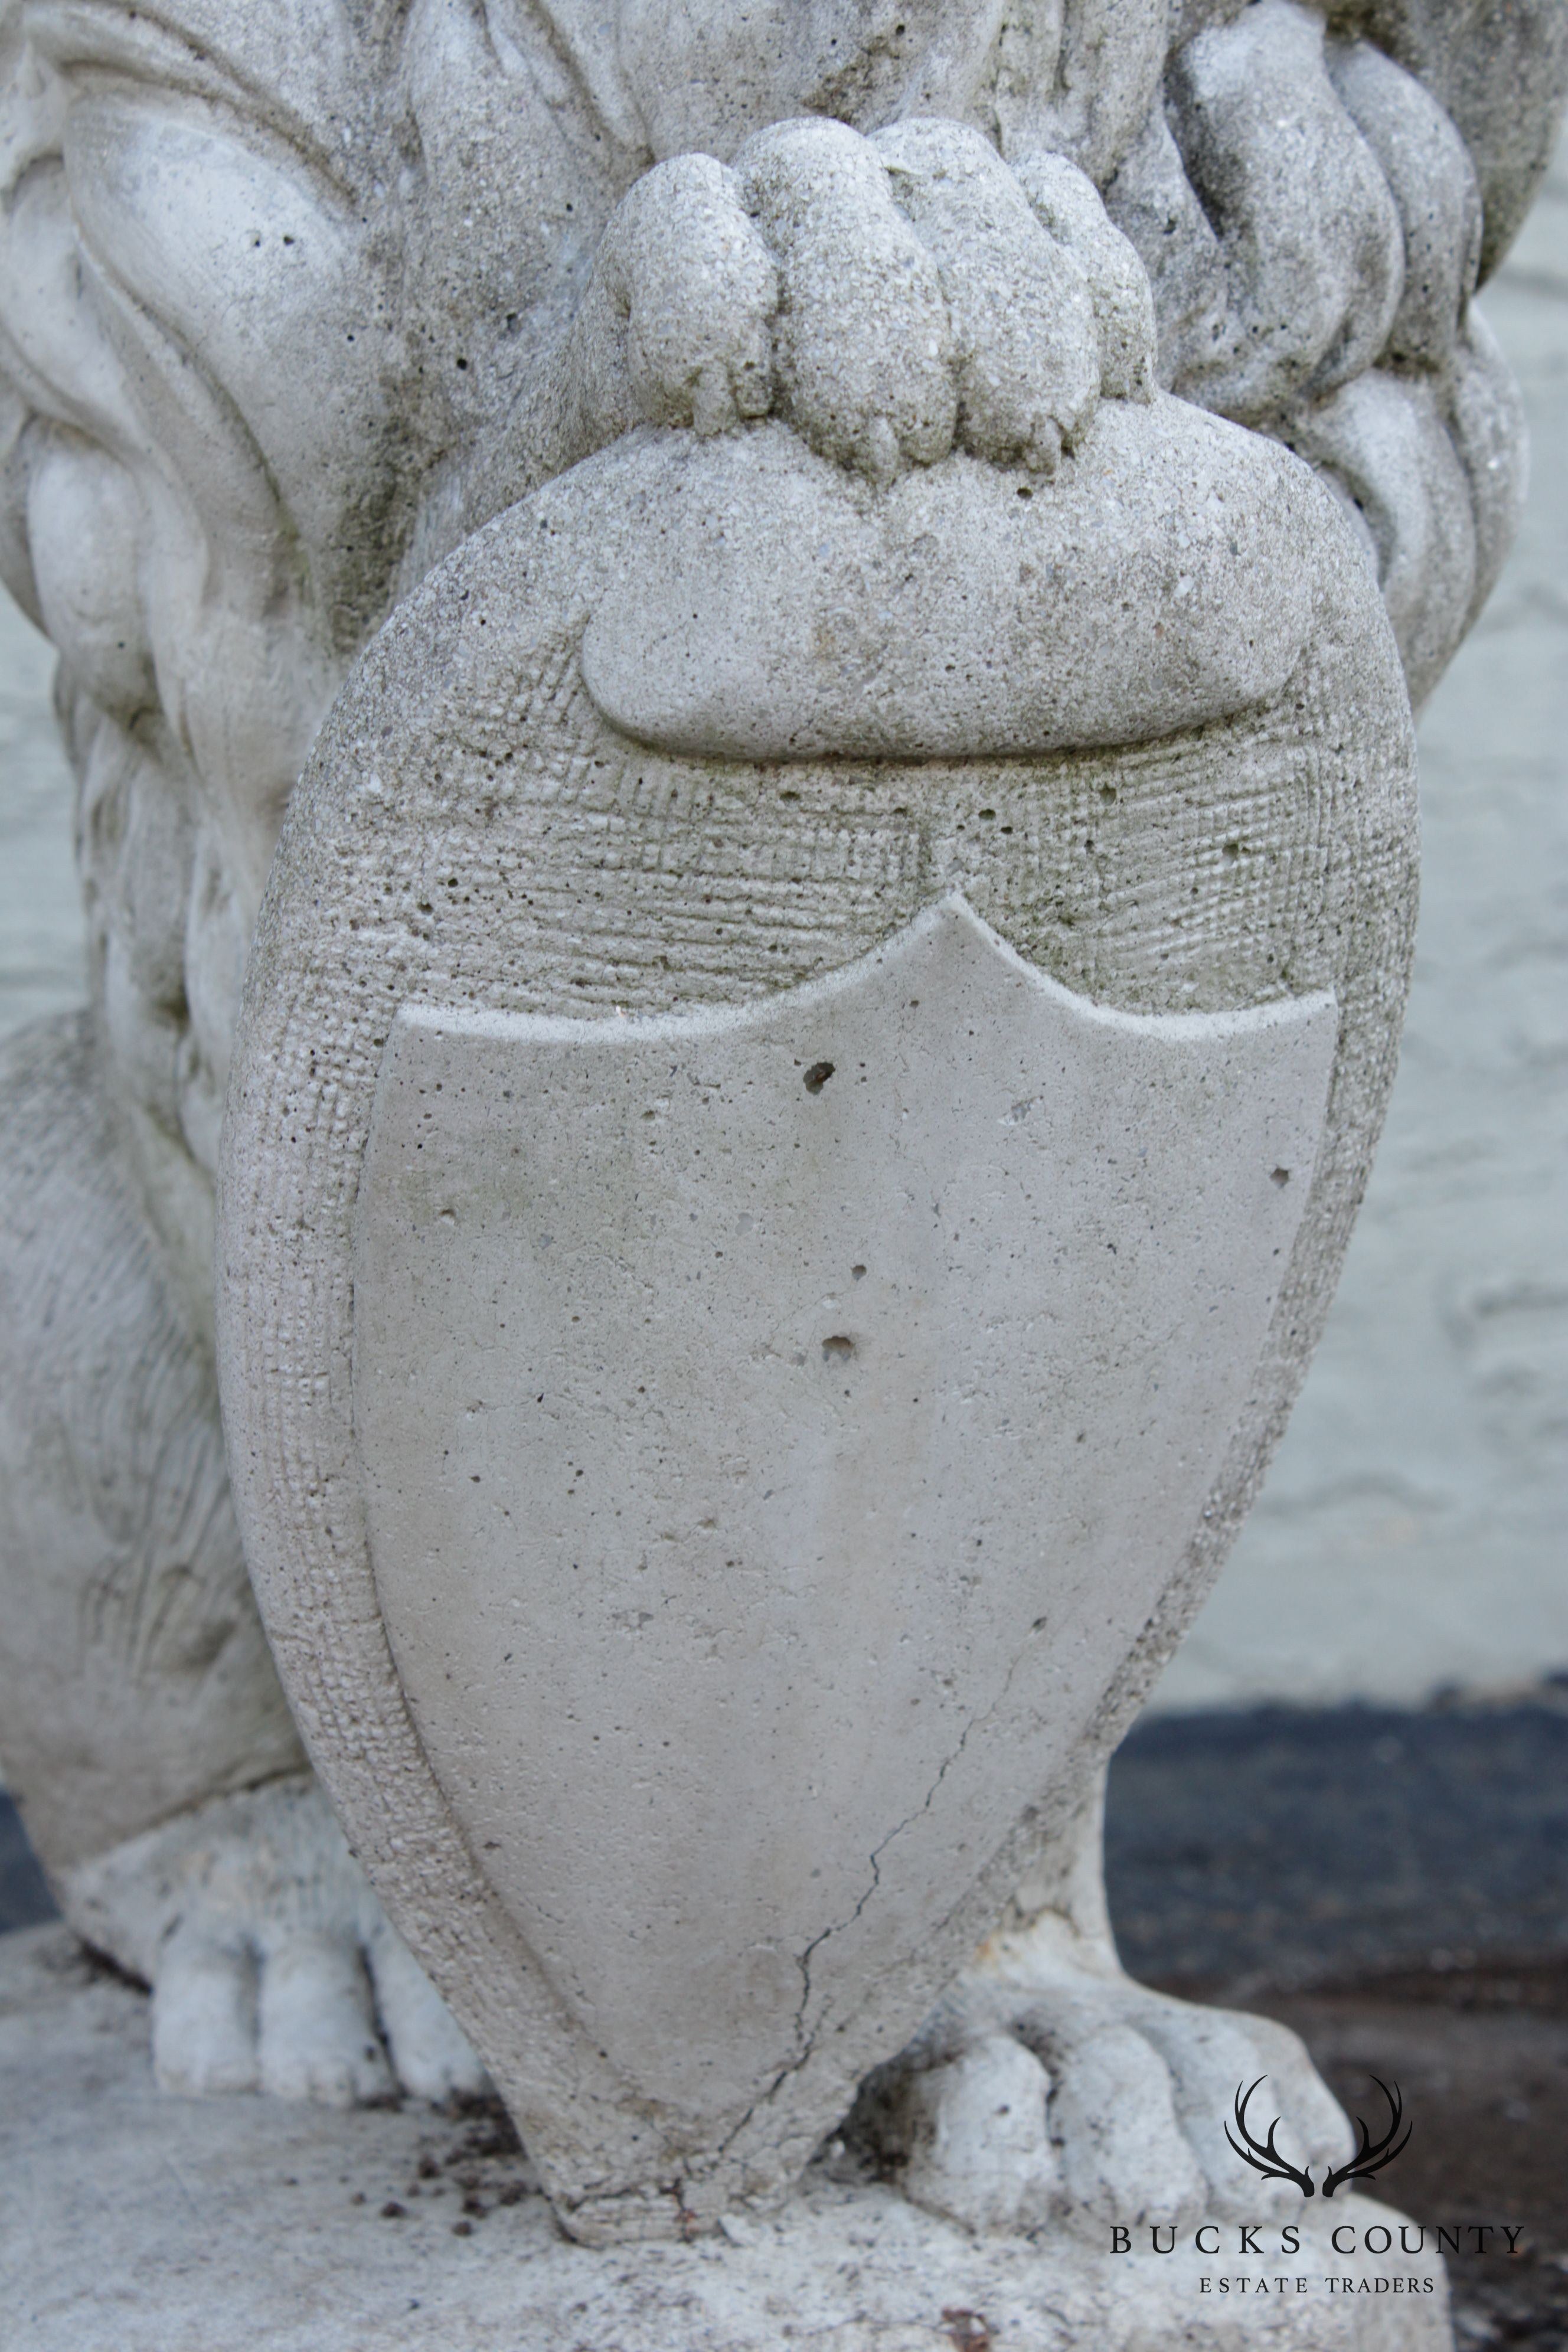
[1092,2101]
[866,344]
[272,1966]
[933,298]
[289,2014]
[1160,2147]
[1049,306]
[680,307]
[890,297]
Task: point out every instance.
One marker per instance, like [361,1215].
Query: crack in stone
[838,1926]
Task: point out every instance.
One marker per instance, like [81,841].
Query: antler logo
[1370,2156]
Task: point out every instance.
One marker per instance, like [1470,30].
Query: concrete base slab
[131,2223]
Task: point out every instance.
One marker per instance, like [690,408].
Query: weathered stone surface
[121,1481]
[703,643]
[807,1564]
[479,283]
[43,963]
[487,739]
[136,2223]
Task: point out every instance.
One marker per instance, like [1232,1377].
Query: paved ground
[132,2224]
[1306,1849]
[23,1897]
[1394,1886]
[1480,2057]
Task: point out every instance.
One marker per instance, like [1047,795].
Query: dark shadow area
[1297,1848]
[1395,1887]
[24,1899]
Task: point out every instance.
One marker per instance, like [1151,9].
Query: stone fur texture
[209,534]
[148,1630]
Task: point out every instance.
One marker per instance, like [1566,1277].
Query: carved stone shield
[749,1306]
[771,1420]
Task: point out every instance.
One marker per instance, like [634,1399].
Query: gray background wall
[1412,1534]
[1413,1531]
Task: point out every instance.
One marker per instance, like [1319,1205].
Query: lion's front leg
[144,1732]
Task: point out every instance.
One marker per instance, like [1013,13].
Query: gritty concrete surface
[136,2223]
[1393,1885]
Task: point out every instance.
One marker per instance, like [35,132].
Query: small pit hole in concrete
[1279,1175]
[839,1349]
[816,1077]
[857,1274]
